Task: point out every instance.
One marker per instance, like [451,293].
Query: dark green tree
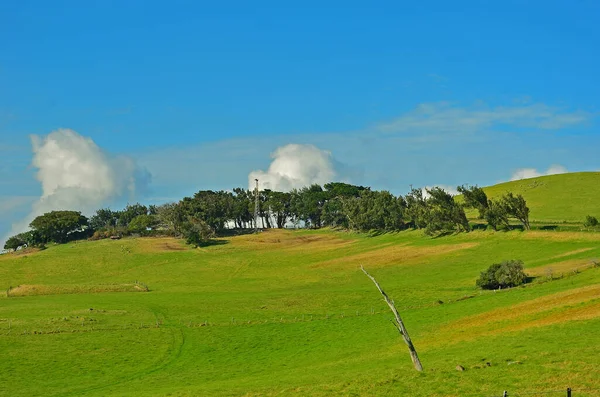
[279,204]
[130,212]
[590,221]
[142,224]
[104,219]
[496,215]
[516,207]
[59,226]
[242,214]
[307,204]
[474,197]
[416,209]
[445,214]
[14,243]
[502,275]
[374,210]
[197,232]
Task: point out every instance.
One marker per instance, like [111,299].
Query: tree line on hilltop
[337,205]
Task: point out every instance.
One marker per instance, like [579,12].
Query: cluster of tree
[496,212]
[55,226]
[339,205]
[502,275]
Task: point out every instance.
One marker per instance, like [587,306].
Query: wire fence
[569,392]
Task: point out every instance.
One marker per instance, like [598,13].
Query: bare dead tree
[398,324]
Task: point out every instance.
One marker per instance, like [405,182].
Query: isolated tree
[516,207]
[474,197]
[502,275]
[57,226]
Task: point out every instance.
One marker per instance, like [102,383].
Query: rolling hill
[556,198]
[290,313]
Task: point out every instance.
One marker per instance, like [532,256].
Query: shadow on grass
[530,279]
[548,227]
[235,232]
[212,242]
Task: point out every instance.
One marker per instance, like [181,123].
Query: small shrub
[502,275]
[590,221]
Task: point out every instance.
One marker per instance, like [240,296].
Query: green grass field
[556,198]
[290,313]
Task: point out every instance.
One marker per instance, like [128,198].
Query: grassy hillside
[556,198]
[290,313]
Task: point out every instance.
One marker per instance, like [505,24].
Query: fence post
[568,392]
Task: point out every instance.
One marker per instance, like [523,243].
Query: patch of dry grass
[399,254]
[32,290]
[575,252]
[157,244]
[561,236]
[291,241]
[19,253]
[577,304]
[559,268]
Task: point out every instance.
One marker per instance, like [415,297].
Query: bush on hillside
[590,221]
[502,275]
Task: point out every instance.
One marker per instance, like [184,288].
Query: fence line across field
[568,392]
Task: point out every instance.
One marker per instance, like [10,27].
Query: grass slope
[290,313]
[556,198]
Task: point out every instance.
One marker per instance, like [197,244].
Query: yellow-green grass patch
[38,289]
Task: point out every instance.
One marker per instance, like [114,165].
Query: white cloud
[75,174]
[449,189]
[444,117]
[526,173]
[295,166]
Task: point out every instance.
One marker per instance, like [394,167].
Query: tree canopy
[59,226]
[336,204]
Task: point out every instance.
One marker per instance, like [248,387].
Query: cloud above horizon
[295,166]
[75,174]
[526,173]
[445,117]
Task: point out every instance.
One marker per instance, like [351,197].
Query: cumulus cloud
[295,166]
[526,173]
[75,174]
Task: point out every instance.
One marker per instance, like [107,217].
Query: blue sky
[199,94]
